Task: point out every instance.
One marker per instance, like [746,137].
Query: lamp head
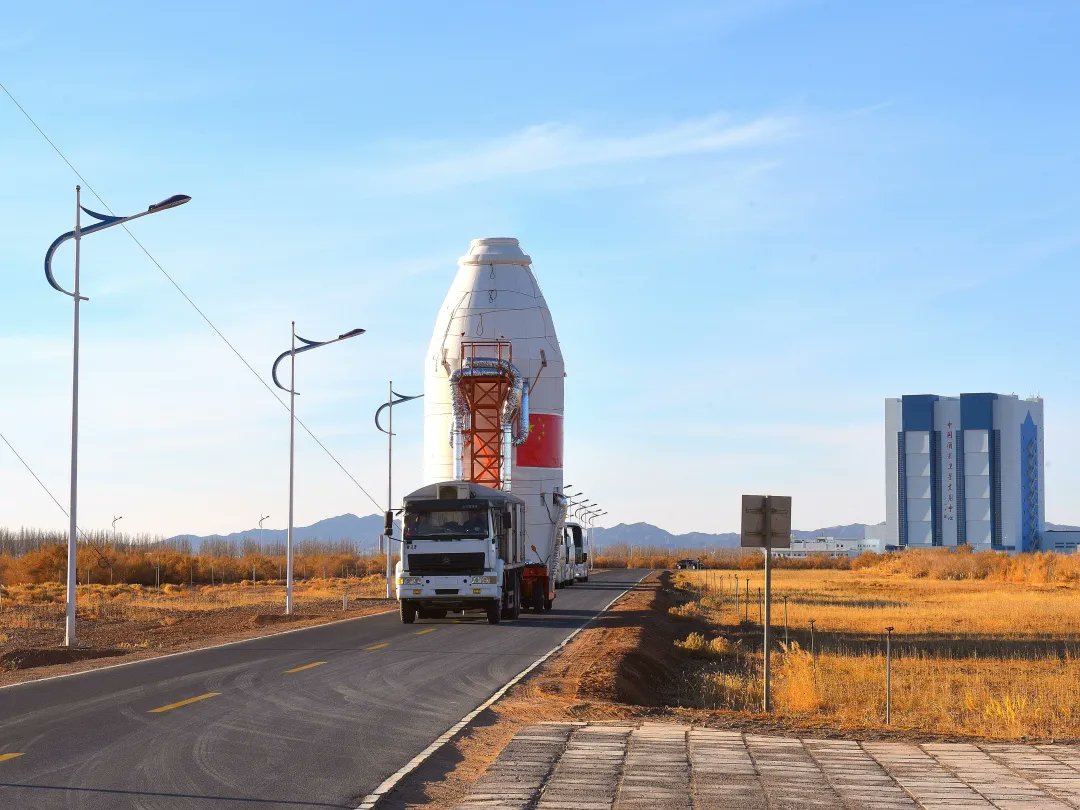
[171,202]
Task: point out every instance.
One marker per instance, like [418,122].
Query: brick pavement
[670,766]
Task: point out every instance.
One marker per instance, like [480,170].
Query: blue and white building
[964,470]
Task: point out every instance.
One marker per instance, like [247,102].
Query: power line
[41,483]
[187,298]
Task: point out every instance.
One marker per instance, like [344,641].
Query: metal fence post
[888,675]
[786,642]
[813,648]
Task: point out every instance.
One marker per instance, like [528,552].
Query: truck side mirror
[508,520]
[388,524]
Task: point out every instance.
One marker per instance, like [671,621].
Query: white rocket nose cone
[495,250]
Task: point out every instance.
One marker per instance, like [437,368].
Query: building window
[996,532]
[935,488]
[901,488]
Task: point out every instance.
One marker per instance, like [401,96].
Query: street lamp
[588,516]
[262,542]
[104,221]
[115,518]
[389,431]
[291,354]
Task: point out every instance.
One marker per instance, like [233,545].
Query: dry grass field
[981,646]
[118,619]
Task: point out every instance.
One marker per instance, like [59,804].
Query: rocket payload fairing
[495,333]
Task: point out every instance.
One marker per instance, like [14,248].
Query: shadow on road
[240,801]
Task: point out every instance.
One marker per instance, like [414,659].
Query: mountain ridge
[365,531]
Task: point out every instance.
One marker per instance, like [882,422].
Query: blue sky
[753,222]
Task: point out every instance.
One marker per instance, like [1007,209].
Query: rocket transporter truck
[486,532]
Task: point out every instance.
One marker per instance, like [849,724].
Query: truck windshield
[445,524]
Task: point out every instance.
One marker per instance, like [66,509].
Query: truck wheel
[547,604]
[537,598]
[494,611]
[515,604]
[408,612]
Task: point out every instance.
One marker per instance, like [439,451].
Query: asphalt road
[315,718]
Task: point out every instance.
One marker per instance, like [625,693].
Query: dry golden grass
[28,611]
[991,655]
[1007,698]
[866,601]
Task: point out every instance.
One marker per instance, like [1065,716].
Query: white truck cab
[462,550]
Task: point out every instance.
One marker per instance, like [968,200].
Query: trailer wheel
[547,604]
[494,611]
[515,602]
[408,612]
[537,598]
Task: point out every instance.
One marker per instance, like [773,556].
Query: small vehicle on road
[689,565]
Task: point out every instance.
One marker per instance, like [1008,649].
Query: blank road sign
[766,521]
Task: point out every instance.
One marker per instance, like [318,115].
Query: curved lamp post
[389,431]
[590,518]
[291,354]
[103,221]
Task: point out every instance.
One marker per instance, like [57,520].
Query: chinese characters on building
[950,493]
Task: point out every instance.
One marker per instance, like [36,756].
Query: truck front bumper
[448,590]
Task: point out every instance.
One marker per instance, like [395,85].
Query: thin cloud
[554,147]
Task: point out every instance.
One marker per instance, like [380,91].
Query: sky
[753,222]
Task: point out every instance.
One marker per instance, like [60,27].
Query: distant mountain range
[645,534]
[349,528]
[365,531]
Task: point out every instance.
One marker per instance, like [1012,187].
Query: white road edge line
[373,798]
[196,650]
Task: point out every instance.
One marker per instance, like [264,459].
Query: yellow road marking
[429,630]
[180,703]
[378,646]
[6,757]
[305,666]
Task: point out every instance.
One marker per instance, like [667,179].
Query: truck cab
[462,550]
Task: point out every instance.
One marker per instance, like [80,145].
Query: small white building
[831,547]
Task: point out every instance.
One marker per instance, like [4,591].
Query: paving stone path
[667,766]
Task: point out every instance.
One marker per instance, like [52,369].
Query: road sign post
[766,523]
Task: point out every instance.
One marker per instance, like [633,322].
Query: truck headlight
[410,580]
[484,580]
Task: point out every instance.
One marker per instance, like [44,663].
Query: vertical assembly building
[964,470]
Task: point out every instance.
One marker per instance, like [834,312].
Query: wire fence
[940,681]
